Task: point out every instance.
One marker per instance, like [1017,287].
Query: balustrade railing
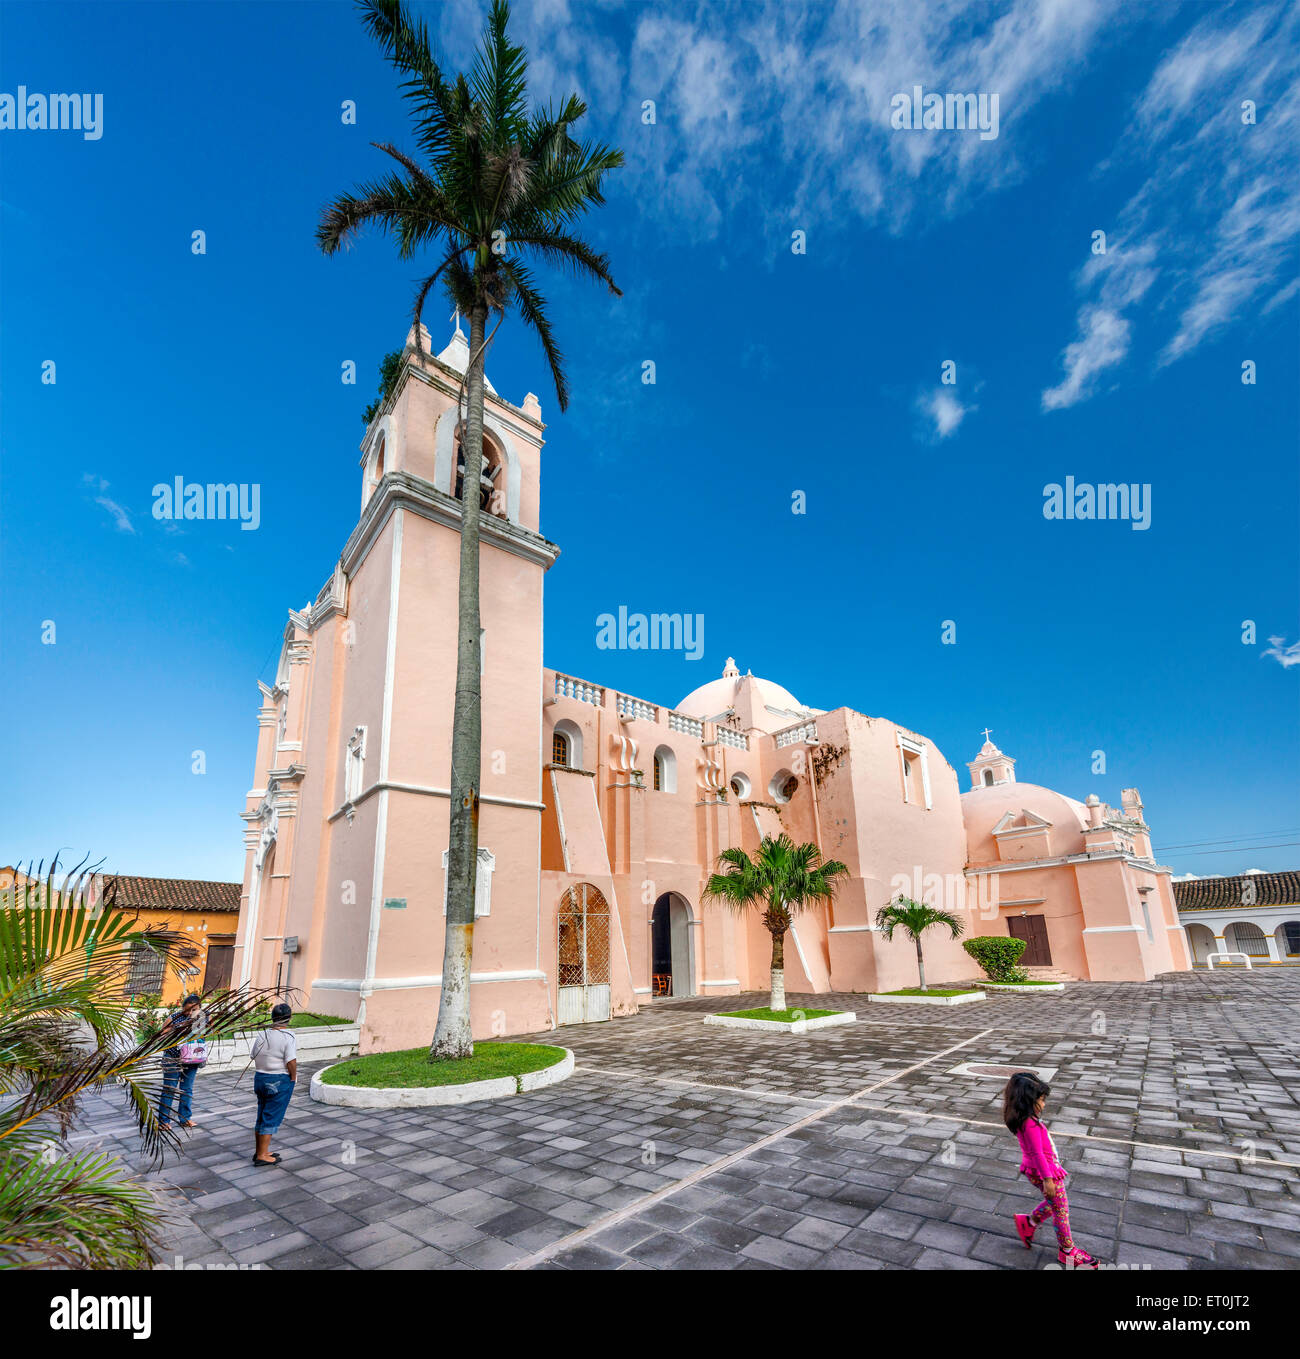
[806,731]
[567,687]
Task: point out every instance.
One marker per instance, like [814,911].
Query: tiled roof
[1270,889]
[176,894]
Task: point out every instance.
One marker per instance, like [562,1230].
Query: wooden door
[1033,930]
[220,968]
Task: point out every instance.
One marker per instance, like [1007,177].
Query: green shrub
[148,1021]
[998,955]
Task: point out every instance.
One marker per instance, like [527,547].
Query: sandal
[190,1124]
[1025,1229]
[256,1162]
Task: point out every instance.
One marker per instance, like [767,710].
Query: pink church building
[603,813]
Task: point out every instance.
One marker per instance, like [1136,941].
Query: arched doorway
[583,956]
[1203,943]
[672,962]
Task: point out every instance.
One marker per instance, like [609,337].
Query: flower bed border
[927,1000]
[779,1026]
[425,1096]
[1027,990]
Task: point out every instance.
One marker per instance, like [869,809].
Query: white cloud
[1218,214]
[121,518]
[1285,656]
[943,411]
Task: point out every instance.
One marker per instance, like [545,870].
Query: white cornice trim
[426,790]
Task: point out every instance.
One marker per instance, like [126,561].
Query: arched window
[566,745]
[1244,936]
[379,460]
[988,778]
[665,776]
[740,785]
[492,485]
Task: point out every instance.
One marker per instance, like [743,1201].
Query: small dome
[752,698]
[982,809]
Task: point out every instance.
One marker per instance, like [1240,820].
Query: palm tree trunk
[777,1001]
[920,963]
[453,1037]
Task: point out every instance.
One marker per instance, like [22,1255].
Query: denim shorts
[273,1095]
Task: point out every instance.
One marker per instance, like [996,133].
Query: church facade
[602,813]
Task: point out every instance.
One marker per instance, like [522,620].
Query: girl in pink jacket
[1022,1110]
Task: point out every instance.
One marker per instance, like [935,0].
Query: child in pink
[1022,1109]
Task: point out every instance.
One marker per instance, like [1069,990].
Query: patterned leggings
[1054,1205]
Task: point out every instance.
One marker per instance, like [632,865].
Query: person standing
[275,1055]
[179,1066]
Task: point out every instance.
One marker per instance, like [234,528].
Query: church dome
[983,808]
[754,700]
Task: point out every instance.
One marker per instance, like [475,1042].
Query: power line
[1234,839]
[1250,849]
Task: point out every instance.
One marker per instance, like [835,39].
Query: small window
[144,971]
[665,770]
[988,778]
[659,775]
[1291,938]
[740,786]
[354,770]
[560,749]
[783,786]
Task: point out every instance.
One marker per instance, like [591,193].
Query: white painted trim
[389,785]
[853,929]
[725,981]
[1111,929]
[559,817]
[385,741]
[420,983]
[929,1000]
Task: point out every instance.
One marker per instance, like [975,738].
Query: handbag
[193,1054]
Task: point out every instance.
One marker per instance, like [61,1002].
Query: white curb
[777,1025]
[928,1000]
[1028,990]
[420,1097]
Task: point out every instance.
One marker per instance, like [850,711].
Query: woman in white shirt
[275,1055]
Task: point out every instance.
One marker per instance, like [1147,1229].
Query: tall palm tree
[782,880]
[914,918]
[65,1031]
[498,186]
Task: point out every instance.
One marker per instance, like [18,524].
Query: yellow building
[202,916]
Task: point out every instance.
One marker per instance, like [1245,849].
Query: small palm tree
[66,1028]
[914,918]
[782,880]
[499,186]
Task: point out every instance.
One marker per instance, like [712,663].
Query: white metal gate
[583,939]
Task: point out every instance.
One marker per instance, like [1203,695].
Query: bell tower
[365,884]
[991,767]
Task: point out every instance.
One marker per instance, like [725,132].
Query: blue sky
[776,372]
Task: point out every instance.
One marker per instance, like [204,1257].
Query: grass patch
[933,991]
[778,1016]
[411,1068]
[303,1020]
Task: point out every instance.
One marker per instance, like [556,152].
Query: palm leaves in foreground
[495,188]
[782,880]
[66,1030]
[914,918]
